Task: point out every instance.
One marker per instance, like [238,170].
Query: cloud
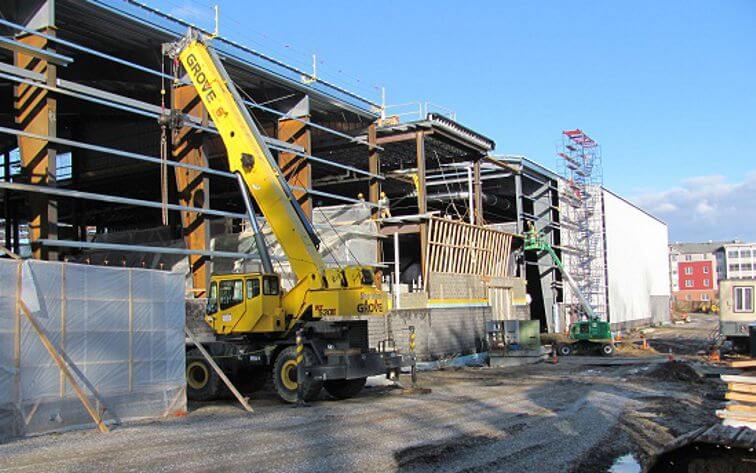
[706,208]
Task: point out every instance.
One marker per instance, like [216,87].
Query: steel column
[36,113]
[422,201]
[478,192]
[295,168]
[374,186]
[193,186]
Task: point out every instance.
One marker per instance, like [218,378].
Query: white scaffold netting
[120,329]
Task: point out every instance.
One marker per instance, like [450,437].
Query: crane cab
[245,303]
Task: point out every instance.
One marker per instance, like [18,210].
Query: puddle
[625,464]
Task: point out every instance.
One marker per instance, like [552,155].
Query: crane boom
[250,157]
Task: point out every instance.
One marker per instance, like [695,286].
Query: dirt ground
[578,415]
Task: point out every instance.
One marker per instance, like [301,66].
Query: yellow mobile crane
[253,319]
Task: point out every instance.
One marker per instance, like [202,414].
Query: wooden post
[131,333]
[17,338]
[62,324]
[62,366]
[6,201]
[242,400]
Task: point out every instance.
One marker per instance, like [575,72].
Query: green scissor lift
[588,335]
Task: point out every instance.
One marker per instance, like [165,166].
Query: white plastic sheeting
[121,328]
[348,236]
[637,263]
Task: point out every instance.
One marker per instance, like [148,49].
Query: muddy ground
[578,415]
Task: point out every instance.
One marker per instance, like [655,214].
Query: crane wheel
[285,376]
[202,382]
[344,388]
[607,349]
[564,349]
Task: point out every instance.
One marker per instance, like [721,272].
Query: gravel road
[539,418]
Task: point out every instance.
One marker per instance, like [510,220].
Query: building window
[743,296]
[746,266]
[706,270]
[705,297]
[745,253]
[706,282]
[732,254]
[674,271]
[689,270]
[733,267]
[688,257]
[688,283]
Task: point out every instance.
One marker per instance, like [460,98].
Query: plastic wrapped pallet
[120,329]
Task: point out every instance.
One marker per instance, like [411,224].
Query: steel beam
[157,73]
[29,50]
[193,185]
[145,249]
[36,111]
[295,168]
[422,201]
[14,186]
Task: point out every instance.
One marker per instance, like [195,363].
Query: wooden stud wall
[456,247]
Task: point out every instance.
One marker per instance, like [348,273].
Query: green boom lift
[589,335]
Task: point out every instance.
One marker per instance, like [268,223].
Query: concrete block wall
[440,332]
[456,286]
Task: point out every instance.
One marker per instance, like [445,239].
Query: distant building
[695,271]
[739,260]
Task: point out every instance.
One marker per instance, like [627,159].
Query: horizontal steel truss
[273,143]
[145,249]
[101,97]
[160,74]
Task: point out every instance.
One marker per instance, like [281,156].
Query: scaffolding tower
[579,162]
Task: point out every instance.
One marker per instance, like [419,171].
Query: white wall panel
[637,262]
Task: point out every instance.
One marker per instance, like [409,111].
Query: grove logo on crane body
[200,78]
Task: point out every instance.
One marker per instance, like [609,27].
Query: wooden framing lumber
[750,398]
[63,368]
[751,363]
[733,378]
[456,247]
[734,406]
[242,400]
[742,388]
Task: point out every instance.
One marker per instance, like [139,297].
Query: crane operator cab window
[230,293]
[270,285]
[212,299]
[253,288]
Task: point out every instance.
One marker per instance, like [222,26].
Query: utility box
[513,335]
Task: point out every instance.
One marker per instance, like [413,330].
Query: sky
[667,88]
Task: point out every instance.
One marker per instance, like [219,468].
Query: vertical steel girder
[422,200]
[36,110]
[193,185]
[295,167]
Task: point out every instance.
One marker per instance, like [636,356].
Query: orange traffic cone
[714,355]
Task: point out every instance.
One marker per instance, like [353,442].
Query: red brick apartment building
[695,269]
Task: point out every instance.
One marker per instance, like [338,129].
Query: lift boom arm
[250,157]
[534,241]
